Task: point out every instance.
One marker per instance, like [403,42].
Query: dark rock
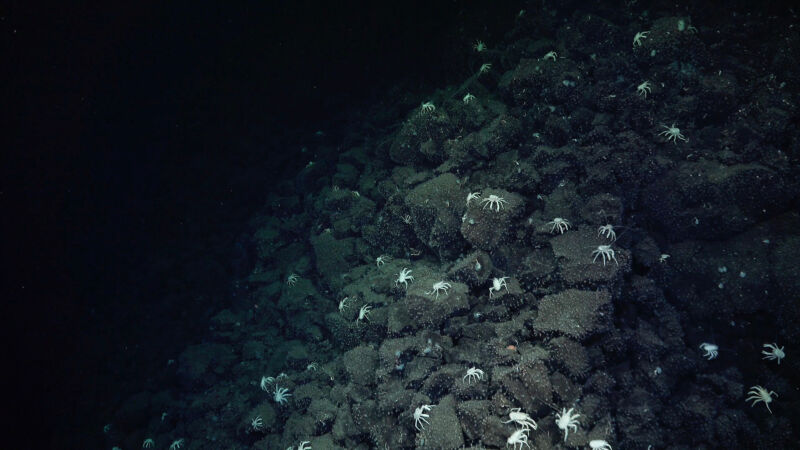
[705,200]
[472,416]
[360,364]
[472,270]
[420,138]
[205,362]
[571,356]
[333,257]
[427,309]
[435,207]
[574,313]
[444,430]
[579,266]
[484,226]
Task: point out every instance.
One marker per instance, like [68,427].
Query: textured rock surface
[574,313]
[434,207]
[484,226]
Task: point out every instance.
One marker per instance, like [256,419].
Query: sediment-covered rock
[488,219]
[434,206]
[574,313]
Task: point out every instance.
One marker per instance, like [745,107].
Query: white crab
[663,258]
[606,252]
[607,231]
[637,38]
[439,286]
[599,444]
[302,445]
[265,382]
[566,420]
[473,196]
[468,98]
[404,277]
[521,418]
[485,67]
[363,313]
[711,350]
[291,280]
[559,224]
[420,416]
[343,304]
[774,352]
[479,46]
[644,89]
[257,423]
[518,437]
[760,394]
[497,284]
[672,133]
[428,107]
[381,260]
[493,200]
[281,395]
[550,55]
[473,373]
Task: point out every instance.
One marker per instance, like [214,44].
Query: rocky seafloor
[706,239]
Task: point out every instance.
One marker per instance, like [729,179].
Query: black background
[135,131]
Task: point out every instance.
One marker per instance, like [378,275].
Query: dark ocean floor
[601,223]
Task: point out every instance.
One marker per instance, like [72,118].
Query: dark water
[405,226]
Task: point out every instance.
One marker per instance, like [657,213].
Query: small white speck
[742,274]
